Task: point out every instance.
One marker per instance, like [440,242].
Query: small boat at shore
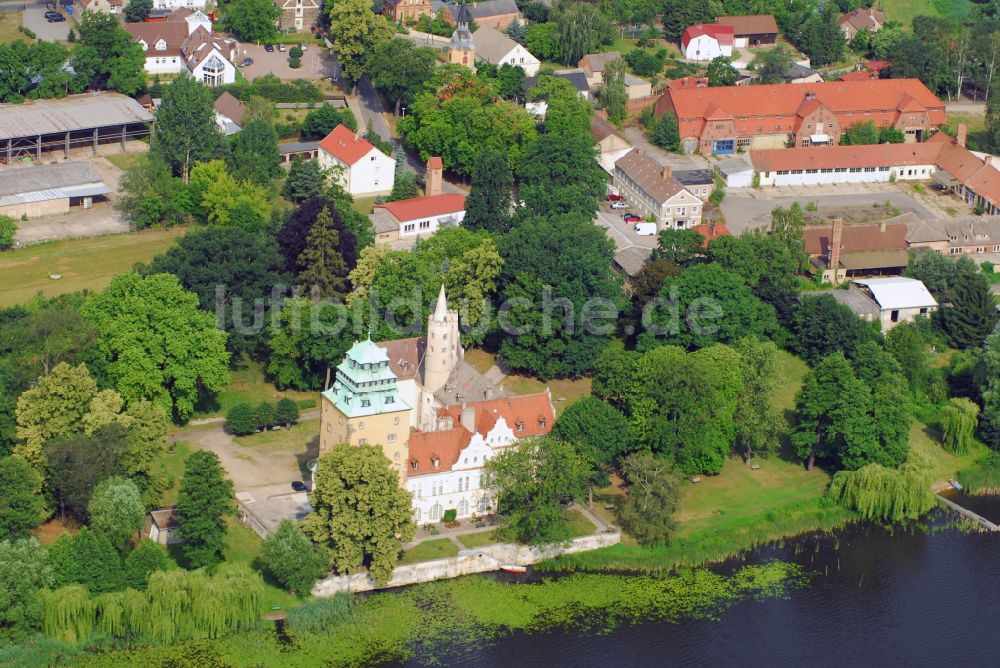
[955,484]
[511,568]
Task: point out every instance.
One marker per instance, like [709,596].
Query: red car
[614,198]
[632,218]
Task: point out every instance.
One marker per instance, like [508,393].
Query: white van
[645,229]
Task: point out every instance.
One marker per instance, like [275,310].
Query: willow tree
[69,614]
[878,492]
[959,420]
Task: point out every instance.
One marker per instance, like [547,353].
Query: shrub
[293,559]
[295,53]
[450,515]
[286,412]
[241,420]
[264,414]
[294,63]
[146,558]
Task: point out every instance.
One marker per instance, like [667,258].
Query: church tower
[463,50]
[443,351]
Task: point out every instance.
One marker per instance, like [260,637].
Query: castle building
[437,418]
[463,49]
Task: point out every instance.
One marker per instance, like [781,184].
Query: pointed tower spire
[441,308]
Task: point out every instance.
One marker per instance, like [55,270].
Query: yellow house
[363,406]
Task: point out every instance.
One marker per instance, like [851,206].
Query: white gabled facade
[355,164]
[705,48]
[521,57]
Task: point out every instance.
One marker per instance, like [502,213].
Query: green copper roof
[365,385]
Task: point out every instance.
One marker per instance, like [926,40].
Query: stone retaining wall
[477,560]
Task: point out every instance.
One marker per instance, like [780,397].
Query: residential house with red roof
[724,119]
[407,219]
[437,419]
[707,41]
[871,19]
[355,163]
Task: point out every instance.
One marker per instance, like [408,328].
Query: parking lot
[315,63]
[34,20]
[747,209]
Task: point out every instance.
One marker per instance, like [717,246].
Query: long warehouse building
[37,126]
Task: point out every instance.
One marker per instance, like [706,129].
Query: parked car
[54,17]
[615,198]
[619,205]
[304,47]
[645,229]
[246,62]
[632,218]
[282,48]
[269,48]
[299,486]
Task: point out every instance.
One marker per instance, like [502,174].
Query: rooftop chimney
[835,242]
[881,226]
[432,180]
[469,418]
[666,173]
[961,134]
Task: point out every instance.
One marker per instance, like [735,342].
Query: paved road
[371,109]
[637,137]
[748,210]
[426,39]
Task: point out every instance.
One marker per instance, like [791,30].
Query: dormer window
[436,462]
[541,422]
[365,403]
[390,399]
[415,464]
[520,425]
[161,45]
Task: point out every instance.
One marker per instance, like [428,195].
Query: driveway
[637,137]
[748,209]
[315,63]
[34,19]
[102,219]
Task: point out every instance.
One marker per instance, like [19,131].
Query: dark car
[54,17]
[632,218]
[269,48]
[614,198]
[246,61]
[299,486]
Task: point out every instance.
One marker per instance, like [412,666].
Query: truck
[645,229]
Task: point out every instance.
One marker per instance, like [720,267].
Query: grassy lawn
[625,44]
[790,372]
[480,359]
[84,263]
[9,24]
[439,548]
[976,124]
[478,539]
[926,441]
[243,547]
[125,161]
[904,10]
[579,525]
[248,383]
[174,464]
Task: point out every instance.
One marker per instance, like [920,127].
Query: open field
[85,264]
[439,548]
[903,11]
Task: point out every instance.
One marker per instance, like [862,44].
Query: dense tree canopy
[24,572]
[399,69]
[116,510]
[20,503]
[359,510]
[185,126]
[488,205]
[233,272]
[251,20]
[158,344]
[356,32]
[294,560]
[648,508]
[822,326]
[531,482]
[105,57]
[253,154]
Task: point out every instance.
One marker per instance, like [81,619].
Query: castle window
[391,438]
[362,441]
[365,403]
[361,426]
[395,420]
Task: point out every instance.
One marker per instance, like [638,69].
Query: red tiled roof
[755,24]
[771,109]
[435,163]
[859,75]
[832,157]
[404,355]
[444,446]
[425,206]
[711,232]
[345,145]
[720,33]
[532,411]
[688,82]
[173,34]
[856,238]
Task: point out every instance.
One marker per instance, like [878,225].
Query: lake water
[899,597]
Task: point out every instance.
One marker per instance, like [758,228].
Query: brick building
[723,119]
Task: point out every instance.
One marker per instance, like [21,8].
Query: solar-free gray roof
[19,185]
[74,112]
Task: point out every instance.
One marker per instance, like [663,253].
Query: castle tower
[463,50]
[363,406]
[443,351]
